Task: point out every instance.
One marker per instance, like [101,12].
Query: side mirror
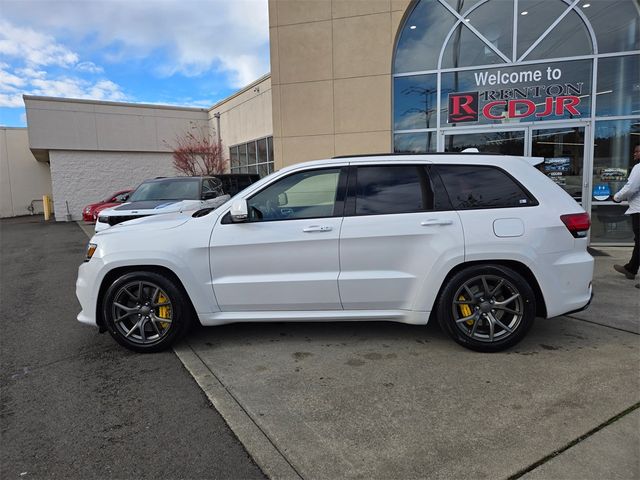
[208,195]
[239,211]
[283,199]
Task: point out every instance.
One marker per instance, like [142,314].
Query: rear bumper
[582,308]
[566,281]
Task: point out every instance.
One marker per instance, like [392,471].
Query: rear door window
[473,187]
[389,189]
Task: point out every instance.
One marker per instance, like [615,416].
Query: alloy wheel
[142,312]
[487,308]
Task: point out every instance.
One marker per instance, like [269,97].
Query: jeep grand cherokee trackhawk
[481,243]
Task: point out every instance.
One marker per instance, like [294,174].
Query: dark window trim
[534,200]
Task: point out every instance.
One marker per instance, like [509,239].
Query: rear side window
[390,189]
[470,187]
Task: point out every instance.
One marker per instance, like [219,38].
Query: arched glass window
[502,62]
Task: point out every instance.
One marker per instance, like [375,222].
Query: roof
[410,154]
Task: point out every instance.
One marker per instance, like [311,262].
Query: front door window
[310,194]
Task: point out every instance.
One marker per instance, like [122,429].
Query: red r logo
[463,107]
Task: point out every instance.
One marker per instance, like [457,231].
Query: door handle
[435,221]
[317,228]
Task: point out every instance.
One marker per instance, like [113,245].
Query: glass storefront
[558,79]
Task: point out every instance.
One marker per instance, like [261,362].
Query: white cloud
[195,36]
[34,48]
[11,100]
[89,67]
[70,87]
[9,81]
[30,81]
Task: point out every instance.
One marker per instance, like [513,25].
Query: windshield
[170,189]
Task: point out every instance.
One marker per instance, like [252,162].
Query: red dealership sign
[505,95]
[465,107]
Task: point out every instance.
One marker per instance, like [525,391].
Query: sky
[173,52]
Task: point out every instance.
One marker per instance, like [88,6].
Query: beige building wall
[22,177]
[96,148]
[331,76]
[90,125]
[244,116]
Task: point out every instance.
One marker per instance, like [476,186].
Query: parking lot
[73,404]
[334,400]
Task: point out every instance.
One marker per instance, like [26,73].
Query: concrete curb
[259,446]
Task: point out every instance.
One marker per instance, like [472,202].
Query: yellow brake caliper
[465,310]
[164,311]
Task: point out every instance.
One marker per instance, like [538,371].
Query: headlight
[103,219]
[91,249]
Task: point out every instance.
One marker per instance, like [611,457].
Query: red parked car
[90,212]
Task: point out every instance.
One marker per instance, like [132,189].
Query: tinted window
[233,183]
[175,189]
[309,194]
[393,189]
[472,187]
[212,186]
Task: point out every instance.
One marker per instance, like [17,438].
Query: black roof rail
[359,155]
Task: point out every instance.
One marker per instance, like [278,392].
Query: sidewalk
[383,400]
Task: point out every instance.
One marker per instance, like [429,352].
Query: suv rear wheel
[145,311]
[487,308]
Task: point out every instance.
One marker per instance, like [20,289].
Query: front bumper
[87,286]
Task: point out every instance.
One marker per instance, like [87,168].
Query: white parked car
[481,243]
[175,194]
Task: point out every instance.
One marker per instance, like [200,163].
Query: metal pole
[217,117]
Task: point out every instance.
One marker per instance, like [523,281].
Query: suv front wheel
[487,308]
[145,311]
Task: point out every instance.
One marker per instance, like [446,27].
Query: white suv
[484,244]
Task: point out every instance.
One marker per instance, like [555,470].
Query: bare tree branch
[197,153]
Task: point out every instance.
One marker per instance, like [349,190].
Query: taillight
[577,223]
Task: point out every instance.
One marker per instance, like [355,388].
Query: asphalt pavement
[73,404]
[307,400]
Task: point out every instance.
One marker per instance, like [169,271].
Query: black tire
[145,311]
[487,308]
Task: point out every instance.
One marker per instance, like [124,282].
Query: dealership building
[557,79]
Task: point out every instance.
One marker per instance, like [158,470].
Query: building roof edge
[156,106]
[241,91]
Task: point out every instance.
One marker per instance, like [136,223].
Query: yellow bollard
[46,206]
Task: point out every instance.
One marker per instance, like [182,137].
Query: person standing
[631,193]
